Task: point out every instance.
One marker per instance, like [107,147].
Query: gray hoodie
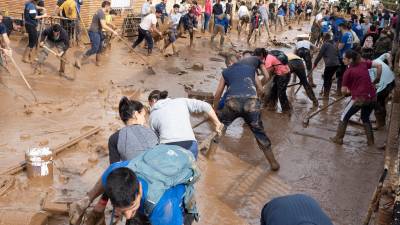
[170,118]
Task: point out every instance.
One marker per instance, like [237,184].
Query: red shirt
[275,66]
[208,7]
[357,80]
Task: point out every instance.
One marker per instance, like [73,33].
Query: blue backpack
[163,167]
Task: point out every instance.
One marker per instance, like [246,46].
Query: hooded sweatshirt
[170,118]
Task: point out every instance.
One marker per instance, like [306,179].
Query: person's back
[240,79]
[357,79]
[294,210]
[170,118]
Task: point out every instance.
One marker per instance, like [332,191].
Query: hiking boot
[269,155]
[98,59]
[79,60]
[341,130]
[369,133]
[26,55]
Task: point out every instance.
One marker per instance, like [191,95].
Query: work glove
[77,209]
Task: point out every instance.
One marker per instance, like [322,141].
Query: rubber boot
[38,69]
[79,60]
[98,59]
[311,82]
[61,72]
[369,133]
[311,95]
[269,155]
[341,130]
[26,55]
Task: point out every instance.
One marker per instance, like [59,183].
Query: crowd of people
[153,168]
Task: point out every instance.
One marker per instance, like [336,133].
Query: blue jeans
[192,146]
[206,21]
[96,38]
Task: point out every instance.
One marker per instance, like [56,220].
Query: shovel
[149,67]
[61,58]
[23,77]
[306,121]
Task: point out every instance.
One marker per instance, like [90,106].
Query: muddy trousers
[297,67]
[96,39]
[339,76]
[250,110]
[44,53]
[242,22]
[278,91]
[329,71]
[305,54]
[252,30]
[144,35]
[32,35]
[218,29]
[380,109]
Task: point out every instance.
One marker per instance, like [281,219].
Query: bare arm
[96,191]
[105,26]
[218,92]
[265,73]
[6,41]
[154,28]
[378,67]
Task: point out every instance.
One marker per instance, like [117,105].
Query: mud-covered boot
[26,57]
[311,95]
[369,133]
[79,60]
[98,59]
[61,72]
[341,130]
[269,155]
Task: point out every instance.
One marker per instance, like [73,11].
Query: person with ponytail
[358,84]
[126,144]
[170,119]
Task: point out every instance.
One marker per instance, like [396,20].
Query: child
[255,25]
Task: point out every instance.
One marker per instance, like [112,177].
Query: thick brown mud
[236,181]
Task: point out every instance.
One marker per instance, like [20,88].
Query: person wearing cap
[189,24]
[294,210]
[53,37]
[147,26]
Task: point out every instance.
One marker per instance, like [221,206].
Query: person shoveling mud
[53,37]
[148,191]
[96,35]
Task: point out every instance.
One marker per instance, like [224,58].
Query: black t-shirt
[271,7]
[8,24]
[3,29]
[217,9]
[228,9]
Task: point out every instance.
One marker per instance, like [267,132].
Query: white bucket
[39,163]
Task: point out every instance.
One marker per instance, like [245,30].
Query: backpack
[281,56]
[163,167]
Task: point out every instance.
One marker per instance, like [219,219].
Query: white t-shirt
[319,17]
[175,17]
[303,44]
[148,21]
[243,11]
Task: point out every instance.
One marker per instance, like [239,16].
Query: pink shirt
[208,7]
[275,66]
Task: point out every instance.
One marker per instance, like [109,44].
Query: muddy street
[236,181]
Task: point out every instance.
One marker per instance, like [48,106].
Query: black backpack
[281,56]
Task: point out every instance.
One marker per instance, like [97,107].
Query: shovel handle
[325,107]
[54,53]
